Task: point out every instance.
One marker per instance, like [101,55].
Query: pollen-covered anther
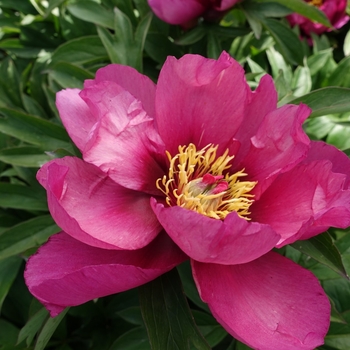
[200,181]
[316,3]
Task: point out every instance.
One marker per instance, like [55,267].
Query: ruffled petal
[65,272]
[263,101]
[75,115]
[232,241]
[177,11]
[270,303]
[137,84]
[92,208]
[305,201]
[124,143]
[279,144]
[200,101]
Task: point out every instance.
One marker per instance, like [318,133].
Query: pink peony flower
[185,11]
[333,9]
[196,167]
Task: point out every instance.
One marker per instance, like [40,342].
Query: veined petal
[194,101]
[304,201]
[232,241]
[137,84]
[94,209]
[124,143]
[279,144]
[65,272]
[270,303]
[263,101]
[75,115]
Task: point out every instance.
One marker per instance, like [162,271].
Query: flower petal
[270,303]
[92,208]
[279,144]
[263,101]
[75,115]
[232,241]
[65,272]
[124,143]
[194,101]
[304,201]
[137,84]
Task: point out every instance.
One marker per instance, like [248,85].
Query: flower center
[199,181]
[316,3]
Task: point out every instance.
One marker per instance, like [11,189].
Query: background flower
[185,11]
[333,9]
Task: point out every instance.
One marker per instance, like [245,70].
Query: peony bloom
[333,9]
[185,11]
[196,167]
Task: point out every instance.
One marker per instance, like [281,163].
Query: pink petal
[92,208]
[263,101]
[177,11]
[270,303]
[304,202]
[124,143]
[340,161]
[226,4]
[200,100]
[65,272]
[139,85]
[232,241]
[75,115]
[279,144]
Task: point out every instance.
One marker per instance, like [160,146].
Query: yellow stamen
[200,181]
[316,3]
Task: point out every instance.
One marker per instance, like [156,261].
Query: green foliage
[46,46]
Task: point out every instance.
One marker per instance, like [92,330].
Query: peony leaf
[32,326]
[322,249]
[167,316]
[31,157]
[305,9]
[326,101]
[135,339]
[49,327]
[26,235]
[287,40]
[8,272]
[33,130]
[91,11]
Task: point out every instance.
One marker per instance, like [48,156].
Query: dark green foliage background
[46,46]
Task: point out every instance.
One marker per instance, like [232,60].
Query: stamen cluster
[200,181]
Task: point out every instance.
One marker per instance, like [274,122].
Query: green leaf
[341,75]
[304,9]
[83,50]
[287,40]
[167,316]
[124,46]
[214,48]
[189,286]
[192,36]
[329,100]
[91,11]
[24,156]
[322,249]
[28,234]
[69,75]
[22,197]
[135,339]
[33,130]
[49,328]
[33,325]
[8,271]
